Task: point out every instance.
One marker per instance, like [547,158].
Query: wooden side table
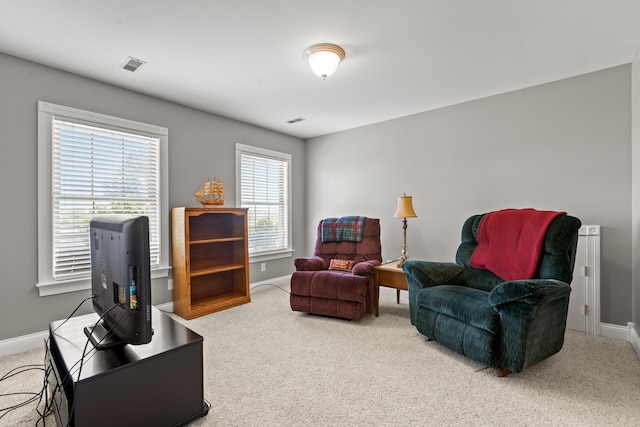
[390,276]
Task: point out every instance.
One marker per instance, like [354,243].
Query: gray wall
[201,145]
[562,146]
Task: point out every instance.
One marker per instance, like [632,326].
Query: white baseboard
[617,332]
[634,339]
[23,343]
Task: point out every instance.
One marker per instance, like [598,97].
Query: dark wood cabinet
[155,384]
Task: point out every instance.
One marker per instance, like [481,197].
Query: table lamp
[404,211]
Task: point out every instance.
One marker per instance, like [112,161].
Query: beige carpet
[268,366]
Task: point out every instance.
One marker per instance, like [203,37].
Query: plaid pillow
[341,265]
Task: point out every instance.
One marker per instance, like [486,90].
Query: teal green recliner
[507,321]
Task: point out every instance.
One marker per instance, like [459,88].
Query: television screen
[120,280]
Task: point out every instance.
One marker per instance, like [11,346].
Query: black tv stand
[155,384]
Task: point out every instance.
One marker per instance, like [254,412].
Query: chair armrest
[313,263]
[365,267]
[533,318]
[532,292]
[425,274]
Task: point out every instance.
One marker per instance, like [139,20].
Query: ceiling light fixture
[323,58]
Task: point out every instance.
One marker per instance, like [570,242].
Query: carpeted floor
[268,366]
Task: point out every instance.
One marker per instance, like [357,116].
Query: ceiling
[243,58]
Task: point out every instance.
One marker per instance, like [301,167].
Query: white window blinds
[99,171]
[264,190]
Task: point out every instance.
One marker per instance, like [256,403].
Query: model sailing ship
[211,193]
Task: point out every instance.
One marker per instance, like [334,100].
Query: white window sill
[270,256]
[61,287]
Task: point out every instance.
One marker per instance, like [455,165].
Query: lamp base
[401,263]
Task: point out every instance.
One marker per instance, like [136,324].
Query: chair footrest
[328,307]
[330,285]
[468,305]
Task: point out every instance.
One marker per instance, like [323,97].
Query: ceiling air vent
[133,64]
[292,121]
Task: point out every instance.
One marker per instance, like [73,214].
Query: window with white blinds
[100,171]
[91,164]
[264,188]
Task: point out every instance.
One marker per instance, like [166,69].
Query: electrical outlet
[170,283]
[263,266]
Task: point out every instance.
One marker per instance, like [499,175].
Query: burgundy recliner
[317,289]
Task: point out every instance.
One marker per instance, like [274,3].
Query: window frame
[46,284]
[269,154]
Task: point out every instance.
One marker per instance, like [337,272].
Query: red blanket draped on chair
[510,242]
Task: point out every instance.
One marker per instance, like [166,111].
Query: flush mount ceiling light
[323,58]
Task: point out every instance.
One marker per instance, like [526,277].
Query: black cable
[68,317]
[25,368]
[35,396]
[84,355]
[70,371]
[45,386]
[270,284]
[48,406]
[89,340]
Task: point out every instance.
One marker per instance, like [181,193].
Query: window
[263,183]
[92,164]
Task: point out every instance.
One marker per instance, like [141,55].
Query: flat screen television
[120,280]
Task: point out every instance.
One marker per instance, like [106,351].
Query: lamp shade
[324,58]
[405,207]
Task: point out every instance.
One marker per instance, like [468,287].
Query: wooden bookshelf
[210,260]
